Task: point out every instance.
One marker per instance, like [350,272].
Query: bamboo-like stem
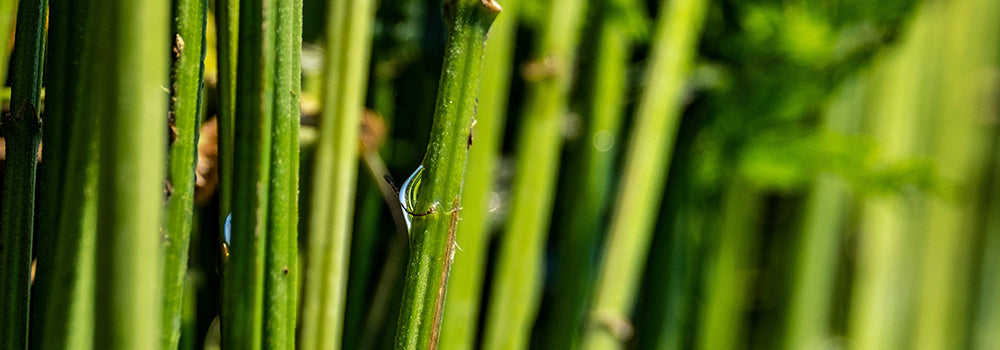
[667,318]
[968,46]
[726,281]
[881,300]
[65,278]
[461,317]
[349,24]
[132,155]
[22,132]
[516,290]
[819,243]
[987,318]
[189,25]
[432,237]
[644,175]
[243,281]
[281,261]
[50,174]
[588,177]
[227,31]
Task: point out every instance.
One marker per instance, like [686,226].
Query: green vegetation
[186,97]
[335,168]
[21,128]
[608,174]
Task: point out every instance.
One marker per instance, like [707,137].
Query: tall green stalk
[515,295]
[588,175]
[50,173]
[259,293]
[644,175]
[131,104]
[22,132]
[666,320]
[813,281]
[987,318]
[889,236]
[227,14]
[461,317]
[726,280]
[348,45]
[64,284]
[432,237]
[968,46]
[281,264]
[189,23]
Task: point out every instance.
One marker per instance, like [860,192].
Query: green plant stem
[644,175]
[347,54]
[461,317]
[968,45]
[7,12]
[819,244]
[726,280]
[65,279]
[22,132]
[987,318]
[666,320]
[132,166]
[516,291]
[815,272]
[227,31]
[889,228]
[432,237]
[281,262]
[189,23]
[243,285]
[882,297]
[587,180]
[50,174]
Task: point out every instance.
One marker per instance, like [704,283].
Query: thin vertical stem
[189,25]
[349,24]
[131,105]
[587,178]
[58,85]
[516,290]
[227,31]
[22,132]
[882,298]
[968,46]
[281,261]
[820,239]
[648,155]
[243,286]
[461,317]
[432,237]
[727,292]
[65,276]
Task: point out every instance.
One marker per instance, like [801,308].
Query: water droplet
[408,194]
[228,229]
[604,141]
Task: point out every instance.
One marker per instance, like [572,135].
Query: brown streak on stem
[449,252]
